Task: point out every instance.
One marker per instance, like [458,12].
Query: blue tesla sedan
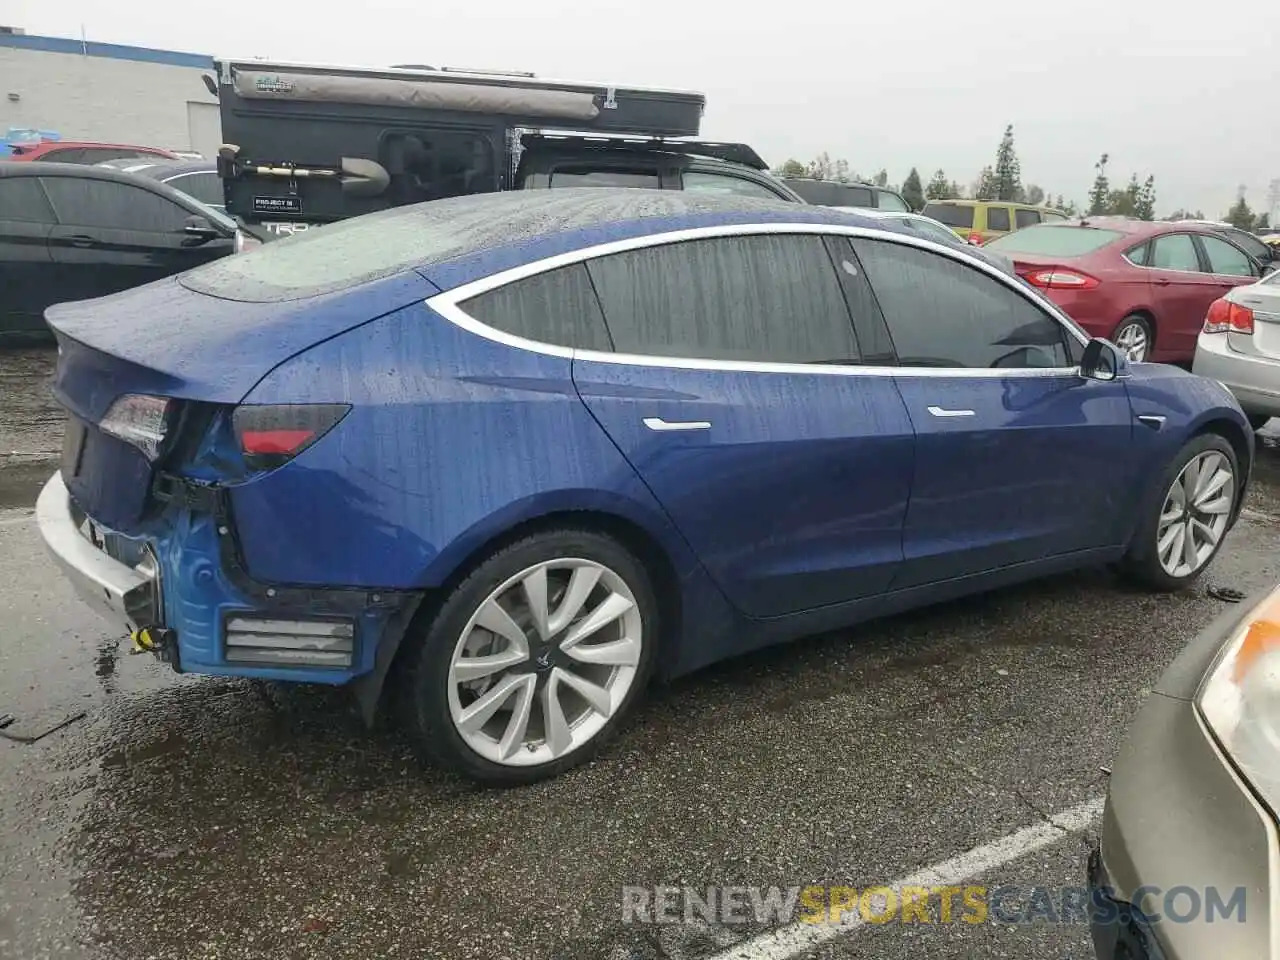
[518,452]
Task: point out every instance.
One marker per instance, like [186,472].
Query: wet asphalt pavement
[196,818]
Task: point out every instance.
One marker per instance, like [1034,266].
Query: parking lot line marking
[797,938]
[14,521]
[1250,514]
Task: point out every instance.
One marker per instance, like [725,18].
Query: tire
[1141,338]
[1258,420]
[602,685]
[1168,570]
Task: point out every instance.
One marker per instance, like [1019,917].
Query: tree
[1240,215]
[957,191]
[939,187]
[791,168]
[1100,194]
[912,192]
[985,186]
[881,179]
[1145,208]
[821,167]
[1008,172]
[1263,222]
[1181,214]
[1034,194]
[842,170]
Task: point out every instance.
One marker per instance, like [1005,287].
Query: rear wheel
[532,662]
[1186,520]
[1134,337]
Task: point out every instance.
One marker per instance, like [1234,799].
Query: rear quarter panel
[438,456]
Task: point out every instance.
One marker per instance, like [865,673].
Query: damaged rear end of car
[165,443]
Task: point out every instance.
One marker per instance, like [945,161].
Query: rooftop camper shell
[313,144]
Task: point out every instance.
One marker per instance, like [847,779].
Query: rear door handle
[660,425]
[1163,281]
[80,240]
[944,412]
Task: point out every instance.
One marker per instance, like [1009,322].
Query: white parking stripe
[14,521]
[796,938]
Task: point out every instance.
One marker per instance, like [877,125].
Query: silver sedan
[1240,347]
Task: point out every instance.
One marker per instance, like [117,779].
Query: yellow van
[980,221]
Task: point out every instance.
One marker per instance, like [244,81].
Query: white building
[107,92]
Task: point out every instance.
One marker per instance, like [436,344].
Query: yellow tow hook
[160,641]
[143,642]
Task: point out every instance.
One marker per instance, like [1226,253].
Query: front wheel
[1184,524]
[534,659]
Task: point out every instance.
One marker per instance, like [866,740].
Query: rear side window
[997,218]
[558,307]
[953,215]
[699,182]
[1138,255]
[22,199]
[829,193]
[1055,241]
[205,187]
[609,177]
[1026,218]
[1176,251]
[942,313]
[891,201]
[1252,245]
[1226,259]
[761,298]
[69,155]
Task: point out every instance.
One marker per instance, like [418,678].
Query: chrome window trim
[447,305]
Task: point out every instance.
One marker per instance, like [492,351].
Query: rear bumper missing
[126,594]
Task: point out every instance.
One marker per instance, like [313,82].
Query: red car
[76,151]
[1145,286]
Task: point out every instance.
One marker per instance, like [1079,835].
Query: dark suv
[837,193]
[310,144]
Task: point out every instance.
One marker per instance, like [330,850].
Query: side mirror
[1103,360]
[198,230]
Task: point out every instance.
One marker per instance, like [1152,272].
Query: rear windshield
[829,193]
[339,255]
[1055,240]
[951,214]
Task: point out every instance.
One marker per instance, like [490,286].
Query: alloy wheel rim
[1132,339]
[1195,513]
[545,662]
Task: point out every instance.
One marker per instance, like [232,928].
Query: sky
[1186,92]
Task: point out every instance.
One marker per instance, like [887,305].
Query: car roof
[46,168]
[1130,225]
[460,239]
[963,202]
[161,169]
[78,144]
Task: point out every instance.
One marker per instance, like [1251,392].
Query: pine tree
[1034,194]
[791,168]
[1008,172]
[939,188]
[1101,192]
[1145,208]
[1240,215]
[912,192]
[985,188]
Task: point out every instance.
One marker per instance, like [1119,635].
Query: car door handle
[1152,420]
[1163,281]
[660,425]
[80,240]
[944,412]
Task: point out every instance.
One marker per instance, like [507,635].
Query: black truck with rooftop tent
[308,144]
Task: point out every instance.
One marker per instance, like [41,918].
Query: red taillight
[271,435]
[975,239]
[1225,316]
[1055,278]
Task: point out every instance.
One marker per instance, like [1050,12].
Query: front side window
[22,199]
[1226,259]
[605,177]
[768,298]
[118,206]
[942,313]
[1026,218]
[699,182]
[997,218]
[557,307]
[1176,251]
